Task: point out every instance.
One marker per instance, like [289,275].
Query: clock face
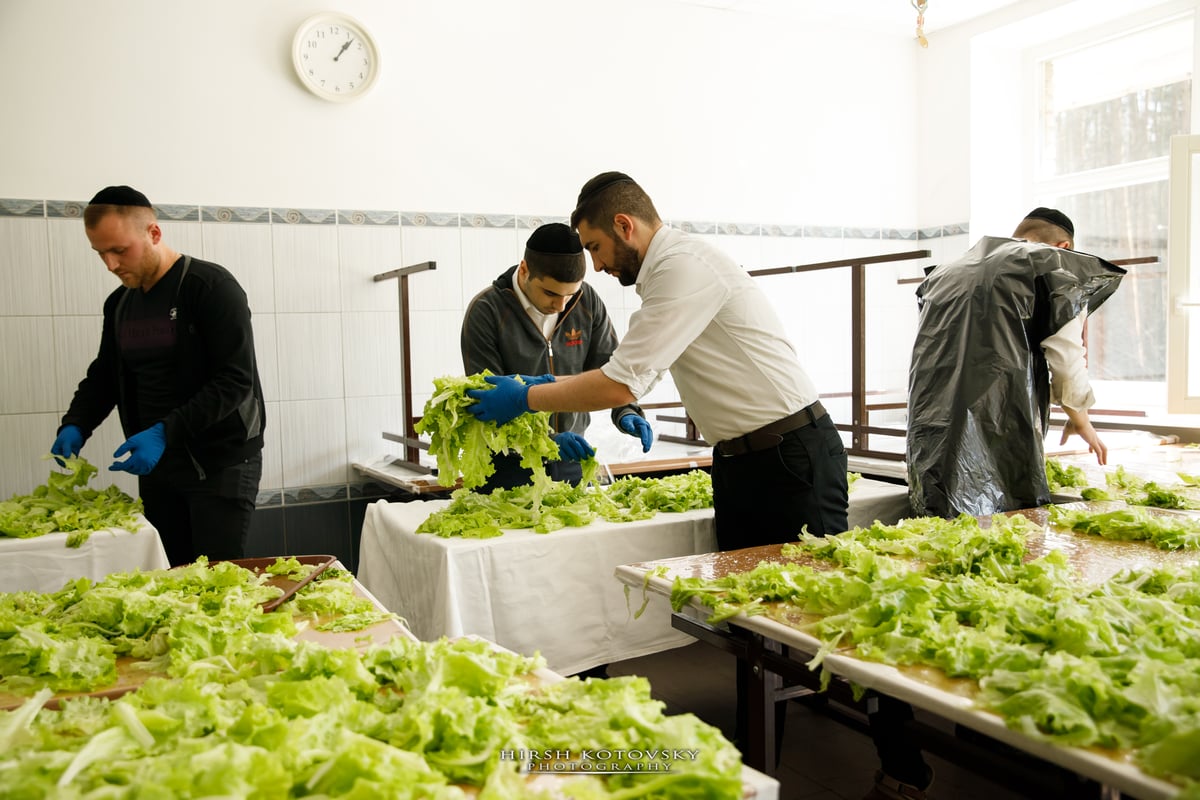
[335,57]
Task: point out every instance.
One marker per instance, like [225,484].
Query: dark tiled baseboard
[325,522]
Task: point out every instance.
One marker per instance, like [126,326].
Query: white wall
[974,138]
[487,106]
[493,113]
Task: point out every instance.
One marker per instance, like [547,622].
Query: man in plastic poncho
[1001,338]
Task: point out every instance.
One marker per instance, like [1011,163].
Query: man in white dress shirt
[778,461]
[779,465]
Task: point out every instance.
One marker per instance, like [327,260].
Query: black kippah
[120,196]
[598,184]
[555,238]
[1054,217]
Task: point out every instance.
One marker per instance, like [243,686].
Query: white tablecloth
[554,593]
[45,563]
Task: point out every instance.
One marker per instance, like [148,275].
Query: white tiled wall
[327,334]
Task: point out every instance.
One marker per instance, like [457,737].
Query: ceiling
[899,16]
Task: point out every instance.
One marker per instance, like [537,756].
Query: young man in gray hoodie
[540,319]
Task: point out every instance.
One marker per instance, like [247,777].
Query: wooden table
[774,649]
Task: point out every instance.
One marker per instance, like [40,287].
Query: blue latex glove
[534,380]
[573,447]
[637,426]
[68,443]
[507,401]
[145,449]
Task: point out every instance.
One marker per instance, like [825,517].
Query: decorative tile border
[304,216]
[179,213]
[739,228]
[698,228]
[71,209]
[489,221]
[862,233]
[340,493]
[532,223]
[368,218]
[64,209]
[235,214]
[314,494]
[22,208]
[428,219]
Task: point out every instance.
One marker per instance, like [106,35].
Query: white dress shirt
[544,322]
[708,322]
[1069,385]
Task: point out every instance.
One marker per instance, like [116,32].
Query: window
[1183,369]
[1106,112]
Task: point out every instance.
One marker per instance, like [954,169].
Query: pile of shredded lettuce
[1063,476]
[559,505]
[65,504]
[188,620]
[1128,488]
[401,720]
[1113,666]
[463,444]
[1131,523]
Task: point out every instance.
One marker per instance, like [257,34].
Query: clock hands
[344,46]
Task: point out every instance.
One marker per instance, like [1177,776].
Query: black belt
[771,435]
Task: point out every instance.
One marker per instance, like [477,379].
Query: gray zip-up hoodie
[499,336]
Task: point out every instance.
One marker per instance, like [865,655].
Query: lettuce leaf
[1114,665]
[558,504]
[65,504]
[463,445]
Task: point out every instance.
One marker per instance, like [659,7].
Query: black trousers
[194,516]
[899,751]
[768,497]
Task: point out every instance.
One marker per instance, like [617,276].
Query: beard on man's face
[626,263]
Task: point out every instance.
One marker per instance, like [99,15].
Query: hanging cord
[920,6]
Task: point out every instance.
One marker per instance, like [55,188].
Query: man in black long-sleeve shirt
[177,361]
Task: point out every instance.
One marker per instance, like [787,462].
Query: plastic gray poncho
[978,384]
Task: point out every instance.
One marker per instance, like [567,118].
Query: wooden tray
[130,678]
[289,586]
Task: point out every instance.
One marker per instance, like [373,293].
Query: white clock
[335,57]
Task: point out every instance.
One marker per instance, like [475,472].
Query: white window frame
[1183,277]
[1148,170]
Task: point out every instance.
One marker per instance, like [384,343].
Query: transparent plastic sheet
[979,387]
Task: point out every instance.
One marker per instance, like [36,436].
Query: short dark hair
[609,194]
[554,251]
[94,212]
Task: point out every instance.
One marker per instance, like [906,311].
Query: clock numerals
[336,60]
